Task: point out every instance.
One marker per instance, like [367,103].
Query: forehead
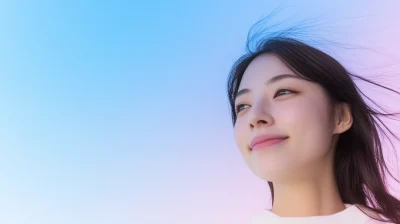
[262,68]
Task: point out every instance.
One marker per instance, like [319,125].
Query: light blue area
[103,101]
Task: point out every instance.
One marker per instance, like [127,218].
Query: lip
[266,140]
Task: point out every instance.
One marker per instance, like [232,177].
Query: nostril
[259,122]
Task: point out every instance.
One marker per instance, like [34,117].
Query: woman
[301,124]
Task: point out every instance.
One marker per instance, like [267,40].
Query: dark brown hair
[359,163]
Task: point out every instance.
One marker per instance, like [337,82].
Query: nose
[259,116]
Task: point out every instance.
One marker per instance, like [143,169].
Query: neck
[315,196]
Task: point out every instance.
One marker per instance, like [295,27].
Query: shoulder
[373,218]
[373,221]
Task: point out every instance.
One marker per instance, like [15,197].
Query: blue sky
[111,109]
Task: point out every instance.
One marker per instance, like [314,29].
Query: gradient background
[116,111]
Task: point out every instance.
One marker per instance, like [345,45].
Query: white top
[351,214]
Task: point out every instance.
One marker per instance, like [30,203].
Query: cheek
[241,136]
[308,124]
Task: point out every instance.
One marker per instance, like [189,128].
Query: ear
[343,118]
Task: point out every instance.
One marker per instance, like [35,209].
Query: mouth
[268,143]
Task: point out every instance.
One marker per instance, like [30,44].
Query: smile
[266,144]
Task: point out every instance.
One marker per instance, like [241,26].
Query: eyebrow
[269,82]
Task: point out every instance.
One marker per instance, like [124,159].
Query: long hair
[359,163]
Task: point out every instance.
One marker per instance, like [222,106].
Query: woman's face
[290,107]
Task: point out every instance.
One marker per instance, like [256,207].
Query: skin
[300,167]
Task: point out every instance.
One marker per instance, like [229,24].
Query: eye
[282,91]
[279,92]
[240,107]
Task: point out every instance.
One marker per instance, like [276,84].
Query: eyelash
[278,91]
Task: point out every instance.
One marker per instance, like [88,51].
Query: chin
[271,173]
